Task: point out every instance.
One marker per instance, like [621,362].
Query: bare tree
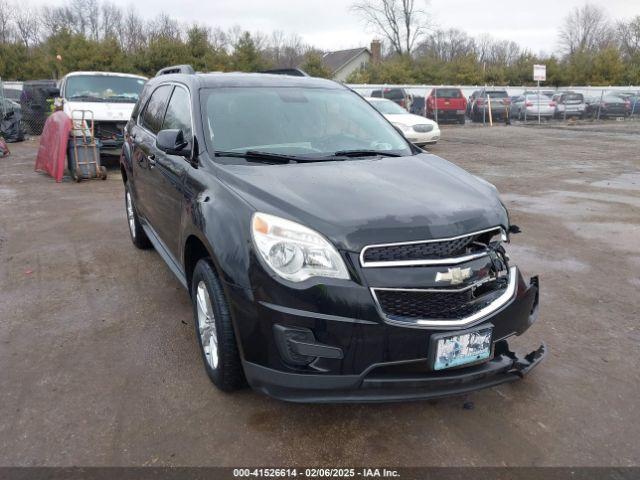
[285,51]
[219,40]
[93,18]
[6,19]
[134,37]
[585,29]
[629,37]
[111,20]
[400,22]
[446,45]
[163,26]
[27,24]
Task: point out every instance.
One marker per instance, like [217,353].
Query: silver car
[529,106]
[570,104]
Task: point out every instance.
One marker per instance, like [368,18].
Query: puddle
[578,204]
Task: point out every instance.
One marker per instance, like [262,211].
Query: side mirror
[172,142]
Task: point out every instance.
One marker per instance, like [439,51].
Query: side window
[178,114]
[153,114]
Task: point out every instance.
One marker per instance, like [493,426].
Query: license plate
[462,348]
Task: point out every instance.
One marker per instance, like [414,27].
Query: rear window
[497,94]
[390,93]
[573,97]
[448,93]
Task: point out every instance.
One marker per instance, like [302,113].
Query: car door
[143,136]
[167,172]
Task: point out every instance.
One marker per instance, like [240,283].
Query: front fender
[220,220]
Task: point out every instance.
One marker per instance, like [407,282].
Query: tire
[77,177]
[103,173]
[213,324]
[461,120]
[138,237]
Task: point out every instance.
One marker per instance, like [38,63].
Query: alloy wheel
[207,325]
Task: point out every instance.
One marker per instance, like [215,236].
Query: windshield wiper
[258,156]
[365,153]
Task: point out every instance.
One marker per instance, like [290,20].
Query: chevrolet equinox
[327,258]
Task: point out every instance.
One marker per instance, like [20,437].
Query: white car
[418,130]
[110,97]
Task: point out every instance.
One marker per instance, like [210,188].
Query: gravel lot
[100,366]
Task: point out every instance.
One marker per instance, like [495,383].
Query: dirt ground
[99,363]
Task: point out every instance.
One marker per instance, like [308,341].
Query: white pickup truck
[109,96]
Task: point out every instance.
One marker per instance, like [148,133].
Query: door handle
[152,160]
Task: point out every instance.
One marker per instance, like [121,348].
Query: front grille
[109,130]
[428,250]
[411,305]
[423,128]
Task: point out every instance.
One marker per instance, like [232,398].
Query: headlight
[293,251]
[403,127]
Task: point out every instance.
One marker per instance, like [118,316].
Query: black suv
[327,258]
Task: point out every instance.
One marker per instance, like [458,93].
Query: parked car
[417,106]
[609,106]
[327,258]
[12,93]
[499,104]
[471,101]
[532,106]
[634,104]
[547,93]
[9,105]
[446,104]
[634,101]
[397,95]
[109,96]
[569,104]
[418,130]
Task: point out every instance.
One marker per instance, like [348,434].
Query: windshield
[295,121]
[103,88]
[388,107]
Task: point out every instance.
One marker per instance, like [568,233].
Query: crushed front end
[418,320]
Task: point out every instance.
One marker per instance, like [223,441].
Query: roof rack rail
[186,69]
[295,72]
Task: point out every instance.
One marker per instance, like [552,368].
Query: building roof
[335,60]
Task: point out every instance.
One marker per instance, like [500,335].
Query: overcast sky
[329,25]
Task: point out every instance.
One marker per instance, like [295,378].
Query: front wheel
[214,329]
[138,237]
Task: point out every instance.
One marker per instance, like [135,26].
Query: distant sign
[540,73]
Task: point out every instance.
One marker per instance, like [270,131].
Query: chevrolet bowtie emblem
[454,276]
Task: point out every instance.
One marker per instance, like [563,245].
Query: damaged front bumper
[393,382]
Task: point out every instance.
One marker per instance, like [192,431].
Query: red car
[444,104]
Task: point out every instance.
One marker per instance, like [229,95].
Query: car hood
[361,202]
[409,119]
[102,111]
